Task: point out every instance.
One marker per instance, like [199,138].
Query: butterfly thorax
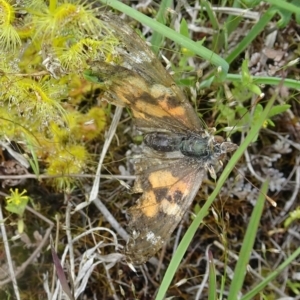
[196,146]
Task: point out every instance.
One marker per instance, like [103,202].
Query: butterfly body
[177,151]
[192,145]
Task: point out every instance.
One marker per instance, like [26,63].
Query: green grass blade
[290,83]
[285,5]
[158,38]
[233,22]
[248,242]
[172,35]
[254,32]
[212,292]
[272,276]
[211,15]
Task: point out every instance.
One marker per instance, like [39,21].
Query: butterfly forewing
[141,82]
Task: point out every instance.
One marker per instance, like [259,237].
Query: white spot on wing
[142,57]
[171,209]
[152,238]
[137,57]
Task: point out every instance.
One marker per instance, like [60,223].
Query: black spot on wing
[177,196]
[170,100]
[160,193]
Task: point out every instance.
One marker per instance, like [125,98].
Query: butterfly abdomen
[163,141]
[194,146]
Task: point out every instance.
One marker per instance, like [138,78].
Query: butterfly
[177,151]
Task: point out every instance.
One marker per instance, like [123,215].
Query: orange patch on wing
[161,92]
[136,84]
[138,115]
[148,204]
[142,109]
[162,179]
[150,109]
[178,112]
[122,97]
[130,88]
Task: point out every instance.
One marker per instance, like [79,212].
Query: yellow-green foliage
[16,203]
[44,47]
[70,159]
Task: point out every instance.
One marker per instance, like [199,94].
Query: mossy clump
[44,49]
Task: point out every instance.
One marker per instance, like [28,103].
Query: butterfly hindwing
[168,187]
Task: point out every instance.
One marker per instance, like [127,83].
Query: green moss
[43,52]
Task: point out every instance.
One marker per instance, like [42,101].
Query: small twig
[17,156]
[245,13]
[41,73]
[96,184]
[111,219]
[287,141]
[96,229]
[110,135]
[56,249]
[38,249]
[290,202]
[33,176]
[249,165]
[94,193]
[112,288]
[69,237]
[8,257]
[206,275]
